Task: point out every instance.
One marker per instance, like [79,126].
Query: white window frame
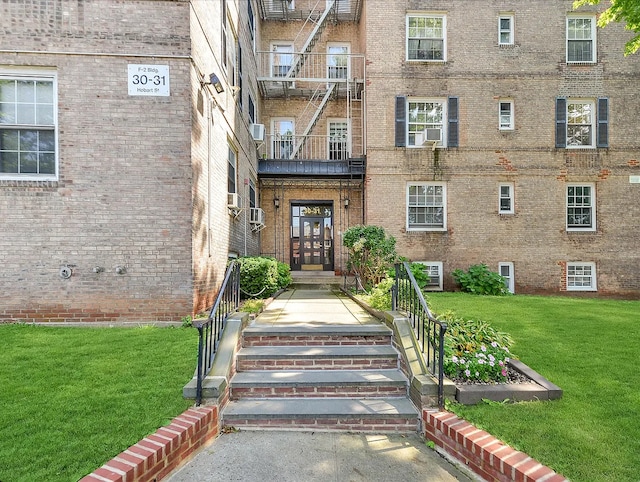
[282,143]
[581,276]
[573,38]
[591,206]
[439,196]
[443,38]
[414,135]
[334,57]
[32,75]
[232,169]
[506,120]
[575,120]
[509,195]
[510,31]
[338,148]
[510,277]
[431,268]
[277,55]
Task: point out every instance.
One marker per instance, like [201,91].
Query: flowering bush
[474,351]
[488,364]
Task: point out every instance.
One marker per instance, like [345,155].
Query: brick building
[144,142]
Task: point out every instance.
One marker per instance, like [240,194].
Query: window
[581,277]
[338,139]
[252,110]
[252,194]
[232,170]
[426,37]
[429,122]
[506,271]
[338,61]
[581,35]
[505,29]
[505,118]
[505,201]
[426,207]
[580,208]
[283,137]
[579,125]
[281,59]
[434,270]
[252,24]
[28,122]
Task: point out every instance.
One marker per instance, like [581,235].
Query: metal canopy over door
[312,237]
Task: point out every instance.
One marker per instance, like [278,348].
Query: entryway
[312,236]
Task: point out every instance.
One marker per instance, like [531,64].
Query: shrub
[380,296]
[480,281]
[371,253]
[261,276]
[474,350]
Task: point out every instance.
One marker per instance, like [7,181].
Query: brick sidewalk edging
[158,454]
[482,453]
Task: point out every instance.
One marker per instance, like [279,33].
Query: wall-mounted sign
[634,179]
[148,79]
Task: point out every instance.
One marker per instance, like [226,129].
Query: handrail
[210,330]
[407,296]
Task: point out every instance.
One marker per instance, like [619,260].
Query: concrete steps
[320,377]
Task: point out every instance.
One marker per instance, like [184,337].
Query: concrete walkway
[316,456]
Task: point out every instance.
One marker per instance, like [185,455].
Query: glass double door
[312,240]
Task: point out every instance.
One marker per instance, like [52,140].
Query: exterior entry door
[312,238]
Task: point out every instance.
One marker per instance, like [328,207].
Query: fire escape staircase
[319,109]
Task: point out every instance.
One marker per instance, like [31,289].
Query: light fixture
[276,202]
[346,203]
[215,81]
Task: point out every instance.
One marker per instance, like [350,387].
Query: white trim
[416,228]
[592,206]
[444,35]
[503,126]
[511,198]
[438,268]
[511,31]
[593,39]
[510,278]
[35,74]
[593,124]
[445,122]
[593,286]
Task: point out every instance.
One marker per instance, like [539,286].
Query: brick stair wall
[482,453]
[159,454]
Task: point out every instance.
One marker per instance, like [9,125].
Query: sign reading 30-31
[148,79]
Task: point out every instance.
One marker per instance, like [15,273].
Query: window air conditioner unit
[257,132]
[433,134]
[233,200]
[256,217]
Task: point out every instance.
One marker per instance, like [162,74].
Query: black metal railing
[210,330]
[408,297]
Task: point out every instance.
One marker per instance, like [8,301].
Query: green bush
[380,296]
[261,276]
[371,253]
[480,281]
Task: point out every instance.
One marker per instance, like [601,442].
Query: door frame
[322,211]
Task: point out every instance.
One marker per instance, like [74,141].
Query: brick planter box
[538,389]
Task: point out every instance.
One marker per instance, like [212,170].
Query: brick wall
[532,74]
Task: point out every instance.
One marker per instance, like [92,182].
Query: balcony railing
[291,147]
[345,10]
[310,67]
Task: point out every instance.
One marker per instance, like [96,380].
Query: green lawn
[590,349]
[73,398]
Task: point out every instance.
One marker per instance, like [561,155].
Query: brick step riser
[346,424]
[320,340]
[318,392]
[319,364]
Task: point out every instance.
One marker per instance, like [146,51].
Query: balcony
[299,74]
[309,156]
[343,11]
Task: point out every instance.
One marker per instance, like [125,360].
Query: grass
[588,347]
[73,398]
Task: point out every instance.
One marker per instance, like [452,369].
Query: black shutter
[453,137]
[602,134]
[401,121]
[561,122]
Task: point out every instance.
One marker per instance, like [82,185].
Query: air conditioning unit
[233,200]
[257,132]
[433,134]
[256,218]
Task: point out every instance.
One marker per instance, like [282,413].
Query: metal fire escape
[305,74]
